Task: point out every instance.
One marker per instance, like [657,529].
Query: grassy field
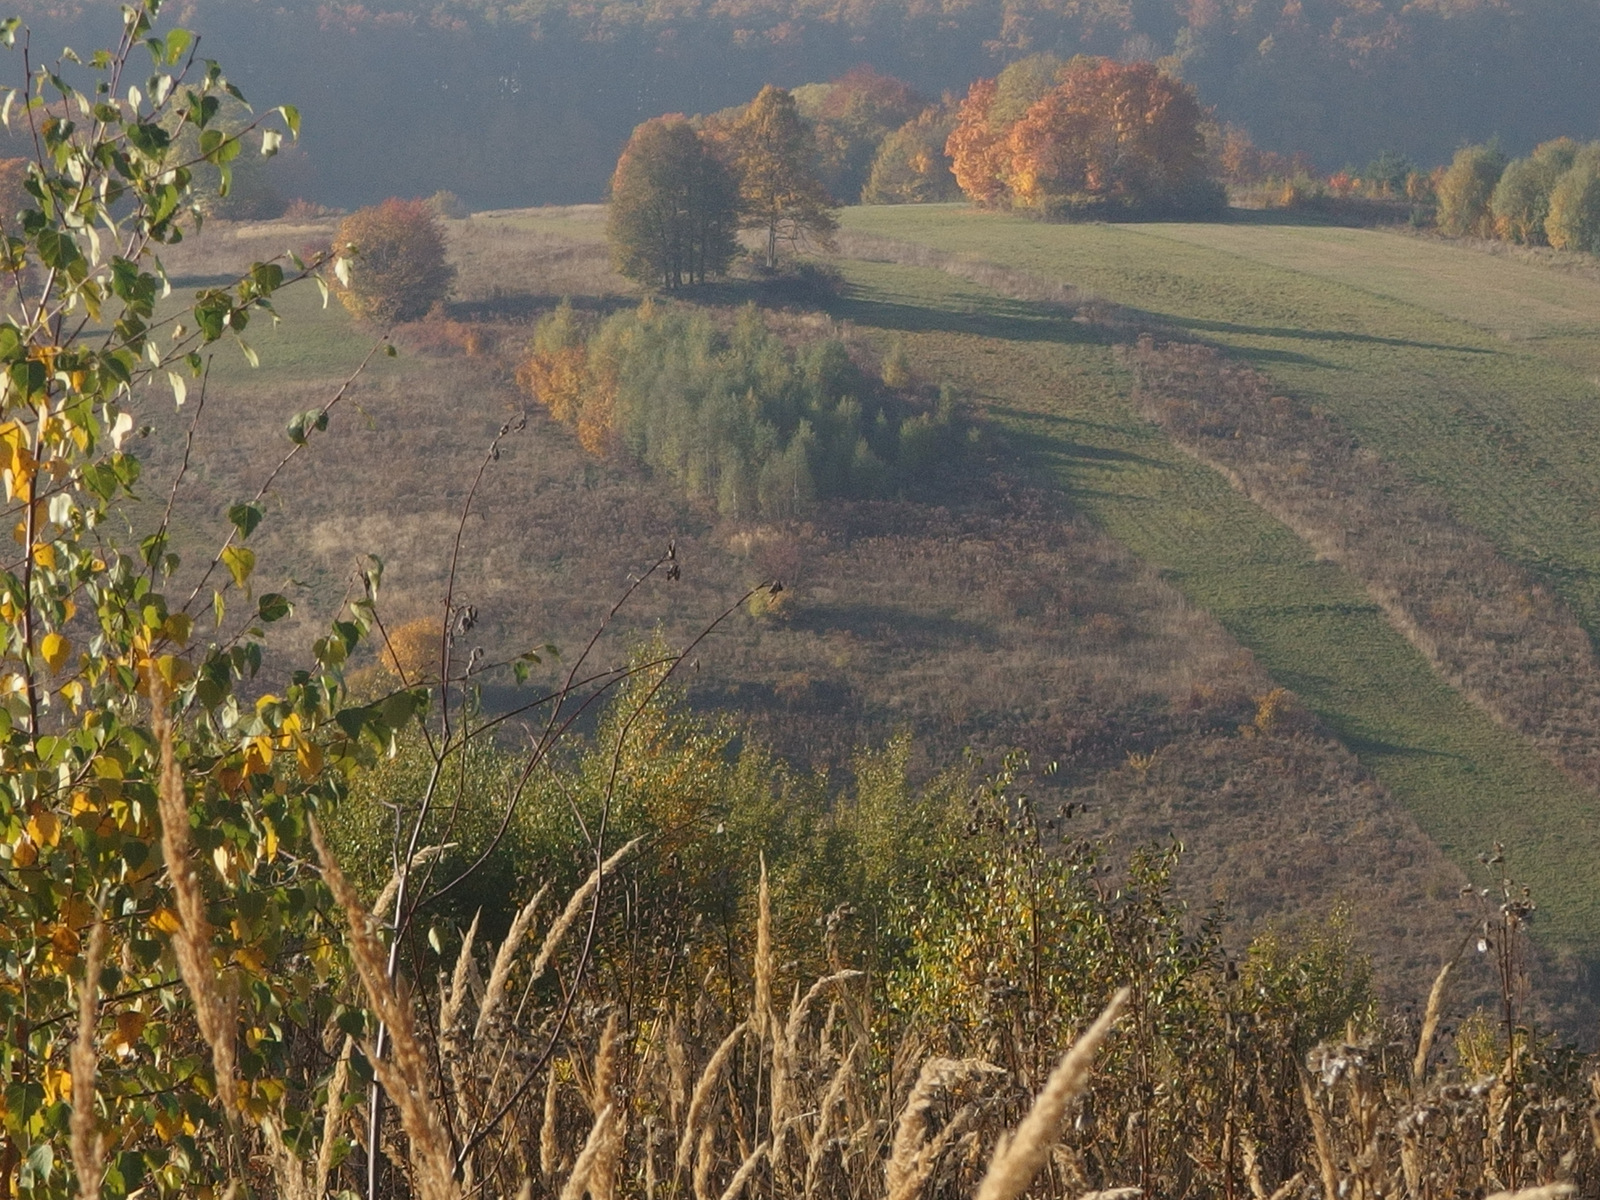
[1475,374]
[1063,396]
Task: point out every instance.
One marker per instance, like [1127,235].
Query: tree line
[1550,197]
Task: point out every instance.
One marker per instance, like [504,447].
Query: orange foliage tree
[1109,135]
[399,269]
[977,148]
[1112,135]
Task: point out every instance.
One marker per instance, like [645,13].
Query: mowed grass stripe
[1506,432]
[1063,400]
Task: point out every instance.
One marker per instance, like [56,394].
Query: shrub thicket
[735,417]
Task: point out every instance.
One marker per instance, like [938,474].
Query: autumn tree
[775,156]
[853,116]
[1521,199]
[911,166]
[1574,220]
[1466,189]
[673,207]
[398,268]
[977,147]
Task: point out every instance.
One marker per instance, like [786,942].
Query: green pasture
[1478,375]
[1062,397]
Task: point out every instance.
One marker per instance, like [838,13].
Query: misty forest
[785,601]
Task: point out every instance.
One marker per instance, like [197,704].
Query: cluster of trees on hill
[737,418]
[1088,136]
[681,189]
[1549,198]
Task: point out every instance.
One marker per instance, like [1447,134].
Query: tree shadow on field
[1003,320]
[1206,325]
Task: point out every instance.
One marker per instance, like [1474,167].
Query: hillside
[1011,613]
[1473,394]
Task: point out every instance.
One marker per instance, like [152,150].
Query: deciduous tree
[1521,200]
[911,166]
[1466,188]
[858,111]
[775,155]
[977,149]
[673,207]
[399,269]
[1574,220]
[1112,135]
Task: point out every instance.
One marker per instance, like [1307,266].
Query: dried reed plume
[746,1169]
[1017,1159]
[548,1148]
[494,995]
[608,1156]
[1322,1137]
[88,1143]
[405,1076]
[569,915]
[913,1155]
[578,1182]
[421,858]
[332,1115]
[455,999]
[191,943]
[705,1088]
[1430,1025]
[763,1018]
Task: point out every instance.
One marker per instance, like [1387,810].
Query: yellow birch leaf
[56,649]
[44,828]
[44,555]
[164,920]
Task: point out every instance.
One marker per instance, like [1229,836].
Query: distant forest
[529,102]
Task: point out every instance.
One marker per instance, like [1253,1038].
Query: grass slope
[1475,375]
[1063,397]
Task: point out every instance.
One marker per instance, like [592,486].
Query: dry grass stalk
[746,1169]
[332,1115]
[1121,1193]
[913,1156]
[578,1182]
[1291,1186]
[404,1076]
[1017,1159]
[1550,1191]
[764,1018]
[1323,1138]
[1430,1026]
[705,1162]
[500,974]
[455,999]
[705,1089]
[575,906]
[549,1150]
[603,1171]
[191,944]
[88,1143]
[831,1098]
[420,859]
